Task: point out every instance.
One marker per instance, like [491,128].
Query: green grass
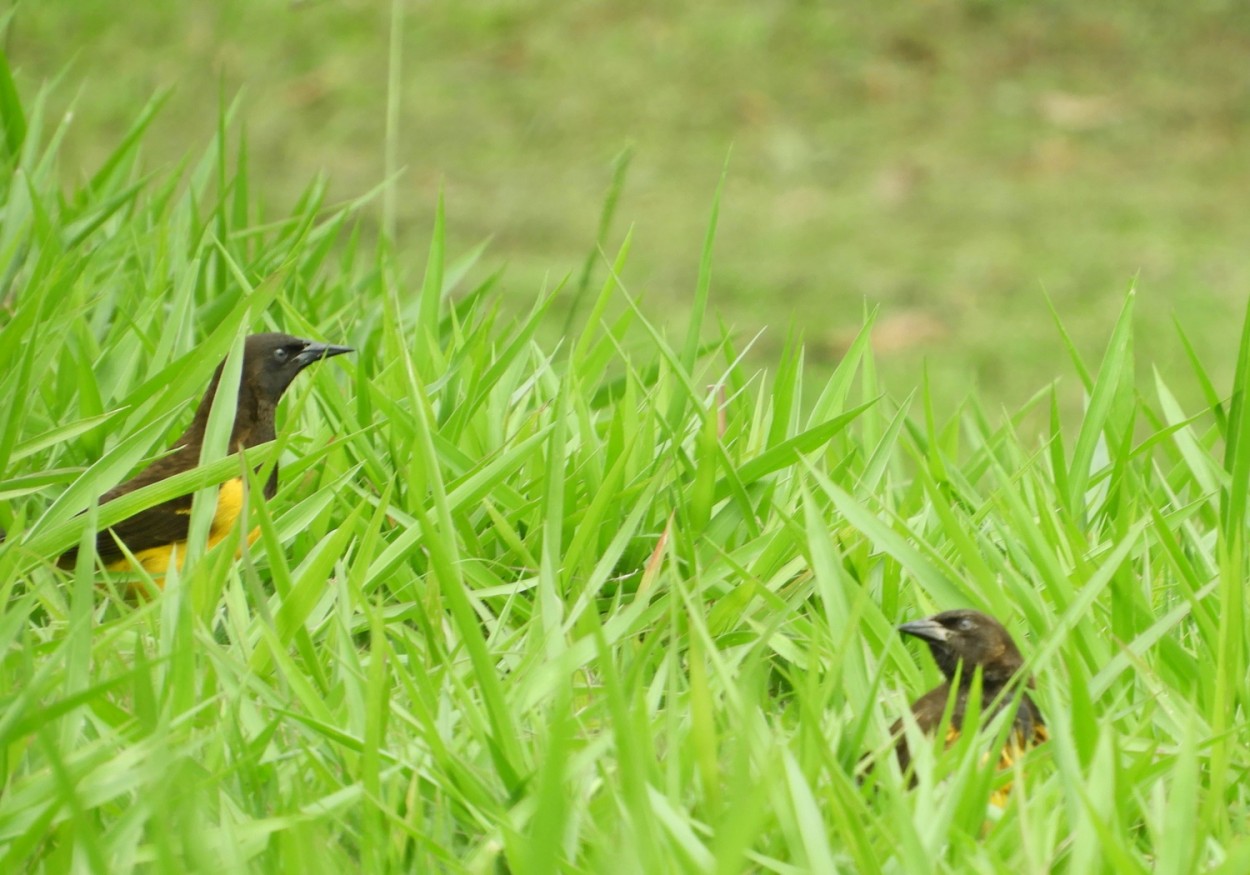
[619,604]
[954,162]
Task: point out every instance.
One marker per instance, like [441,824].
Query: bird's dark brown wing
[927,711]
[157,526]
[1028,728]
[929,708]
[154,527]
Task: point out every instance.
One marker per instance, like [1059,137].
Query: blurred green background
[951,161]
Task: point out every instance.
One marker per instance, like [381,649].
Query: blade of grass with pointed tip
[12,116]
[620,170]
[1116,367]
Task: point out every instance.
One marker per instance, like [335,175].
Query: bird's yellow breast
[155,560]
[229,506]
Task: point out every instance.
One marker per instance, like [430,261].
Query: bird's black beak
[316,351]
[928,629]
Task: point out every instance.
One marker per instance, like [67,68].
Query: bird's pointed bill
[928,629]
[316,351]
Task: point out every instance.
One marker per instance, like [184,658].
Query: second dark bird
[975,641]
[270,363]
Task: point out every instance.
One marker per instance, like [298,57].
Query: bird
[270,362]
[963,641]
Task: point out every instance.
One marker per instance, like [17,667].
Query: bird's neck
[253,418]
[993,676]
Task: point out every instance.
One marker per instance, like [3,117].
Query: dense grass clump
[617,605]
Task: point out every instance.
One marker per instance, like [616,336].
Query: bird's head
[272,361]
[969,637]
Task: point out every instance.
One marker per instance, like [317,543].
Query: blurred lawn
[949,161]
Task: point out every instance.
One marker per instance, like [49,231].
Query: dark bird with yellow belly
[270,363]
[962,642]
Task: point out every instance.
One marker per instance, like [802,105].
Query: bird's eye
[965,624]
[280,354]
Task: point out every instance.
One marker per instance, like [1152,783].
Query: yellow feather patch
[155,560]
[229,506]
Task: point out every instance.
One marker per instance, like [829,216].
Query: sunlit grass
[617,605]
